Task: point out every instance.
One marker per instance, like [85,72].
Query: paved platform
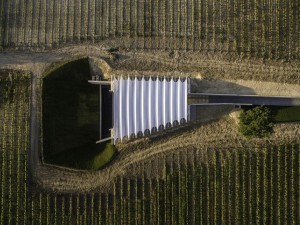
[219,99]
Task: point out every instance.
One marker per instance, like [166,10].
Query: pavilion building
[146,105]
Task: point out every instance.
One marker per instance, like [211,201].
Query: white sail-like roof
[142,105]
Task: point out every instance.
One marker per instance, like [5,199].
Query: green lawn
[70,108]
[286,114]
[71,118]
[87,157]
[282,114]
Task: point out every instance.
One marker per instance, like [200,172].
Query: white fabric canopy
[141,105]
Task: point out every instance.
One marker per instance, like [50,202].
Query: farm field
[251,28]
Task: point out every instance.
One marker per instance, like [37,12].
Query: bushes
[256,122]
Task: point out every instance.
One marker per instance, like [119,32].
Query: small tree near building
[256,122]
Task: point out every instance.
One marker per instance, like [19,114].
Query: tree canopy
[256,122]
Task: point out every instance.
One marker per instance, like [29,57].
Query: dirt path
[209,66]
[195,64]
[148,156]
[245,87]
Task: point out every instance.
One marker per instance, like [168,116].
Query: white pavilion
[142,106]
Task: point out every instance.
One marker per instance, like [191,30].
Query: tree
[256,122]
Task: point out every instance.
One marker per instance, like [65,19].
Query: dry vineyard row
[14,145]
[239,186]
[252,28]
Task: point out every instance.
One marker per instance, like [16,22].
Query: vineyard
[14,146]
[235,186]
[230,186]
[251,28]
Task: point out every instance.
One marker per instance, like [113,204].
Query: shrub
[256,122]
